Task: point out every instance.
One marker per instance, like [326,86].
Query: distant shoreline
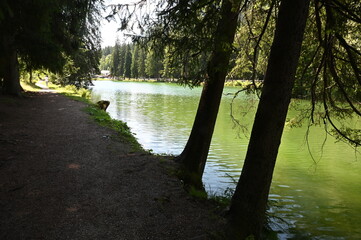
[228,83]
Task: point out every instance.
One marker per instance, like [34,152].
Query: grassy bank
[69,90]
[29,87]
[124,132]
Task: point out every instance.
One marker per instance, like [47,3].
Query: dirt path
[64,177]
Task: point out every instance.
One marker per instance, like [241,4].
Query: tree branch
[350,57]
[336,78]
[345,10]
[256,48]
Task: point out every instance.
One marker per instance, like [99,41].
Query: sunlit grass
[29,87]
[101,79]
[69,90]
[240,83]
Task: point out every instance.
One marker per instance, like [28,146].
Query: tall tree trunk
[31,76]
[194,155]
[248,206]
[10,67]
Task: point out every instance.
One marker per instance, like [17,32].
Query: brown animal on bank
[103,105]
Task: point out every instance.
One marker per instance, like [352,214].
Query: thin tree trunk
[194,155]
[31,76]
[248,206]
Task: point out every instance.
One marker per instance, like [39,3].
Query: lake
[316,189]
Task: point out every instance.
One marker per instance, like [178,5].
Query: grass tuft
[103,119]
[197,193]
[29,87]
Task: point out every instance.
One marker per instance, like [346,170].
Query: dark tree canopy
[43,33]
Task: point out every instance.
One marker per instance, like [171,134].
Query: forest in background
[302,48]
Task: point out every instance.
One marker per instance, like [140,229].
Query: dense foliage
[47,35]
[134,61]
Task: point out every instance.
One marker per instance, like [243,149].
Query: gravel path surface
[64,177]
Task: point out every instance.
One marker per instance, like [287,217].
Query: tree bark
[248,206]
[10,67]
[194,155]
[31,76]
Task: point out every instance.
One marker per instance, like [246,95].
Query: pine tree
[141,63]
[153,64]
[127,61]
[134,66]
[122,51]
[116,61]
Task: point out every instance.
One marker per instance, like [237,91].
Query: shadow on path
[64,177]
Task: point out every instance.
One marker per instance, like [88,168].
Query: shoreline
[228,83]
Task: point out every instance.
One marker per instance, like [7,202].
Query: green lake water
[315,197]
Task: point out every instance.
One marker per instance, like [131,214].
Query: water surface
[315,197]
